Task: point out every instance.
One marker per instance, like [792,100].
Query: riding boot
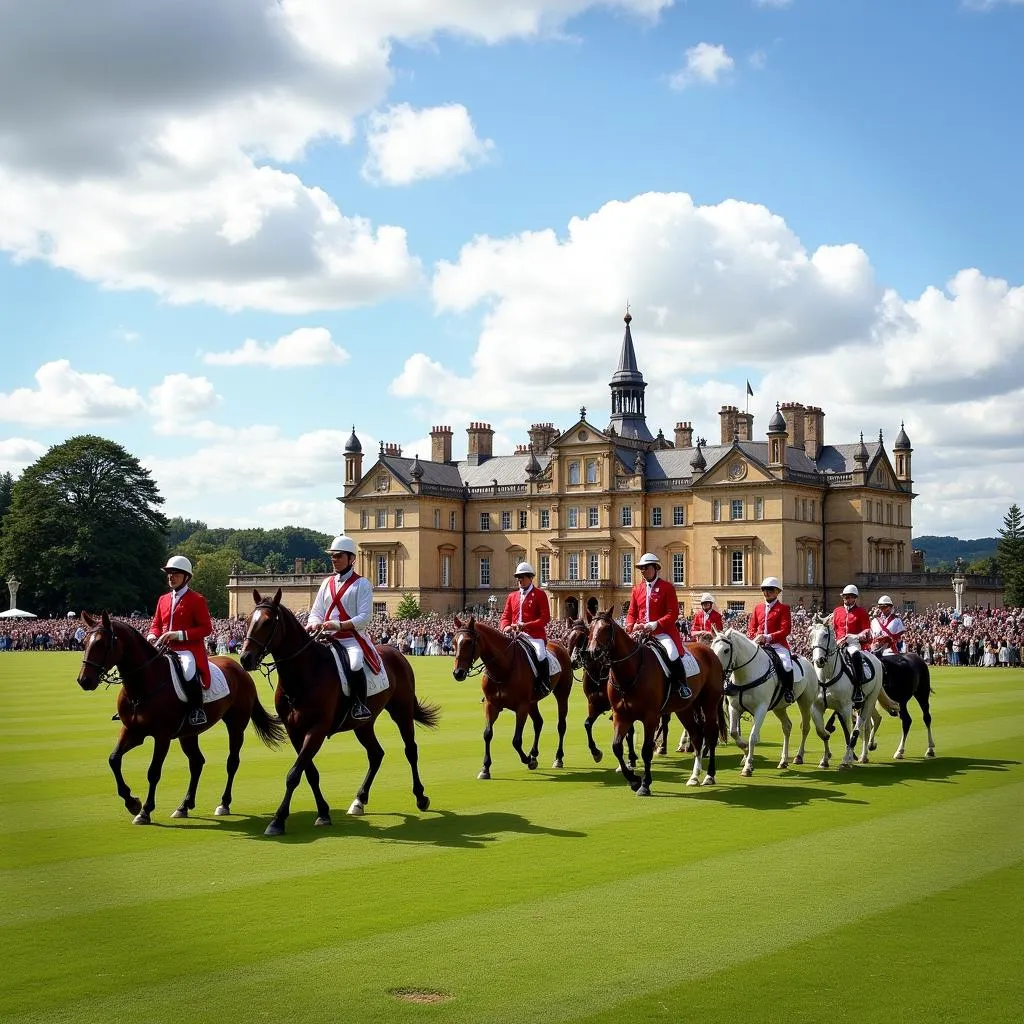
[679,678]
[857,661]
[542,683]
[194,692]
[358,710]
[786,682]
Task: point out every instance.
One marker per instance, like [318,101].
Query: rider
[526,614]
[770,626]
[182,623]
[653,610]
[886,629]
[707,621]
[342,609]
[853,626]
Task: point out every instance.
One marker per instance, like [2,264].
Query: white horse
[835,691]
[757,691]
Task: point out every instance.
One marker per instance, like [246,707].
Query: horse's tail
[268,727]
[426,714]
[926,675]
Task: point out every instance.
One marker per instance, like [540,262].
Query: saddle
[846,660]
[531,659]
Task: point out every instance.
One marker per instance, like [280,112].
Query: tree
[212,569]
[85,530]
[274,562]
[408,608]
[6,490]
[1010,554]
[179,530]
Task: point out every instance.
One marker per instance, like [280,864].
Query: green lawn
[889,893]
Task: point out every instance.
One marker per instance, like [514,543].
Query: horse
[638,691]
[756,690]
[905,676]
[836,685]
[312,706]
[507,682]
[148,706]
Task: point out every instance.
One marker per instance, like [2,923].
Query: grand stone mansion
[584,503]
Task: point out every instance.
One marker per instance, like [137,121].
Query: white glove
[650,626]
[171,636]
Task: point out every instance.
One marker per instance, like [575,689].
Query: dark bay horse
[906,676]
[507,682]
[148,706]
[639,692]
[312,706]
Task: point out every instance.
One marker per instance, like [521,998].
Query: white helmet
[771,581]
[178,563]
[648,559]
[706,597]
[524,569]
[340,545]
[850,589]
[885,599]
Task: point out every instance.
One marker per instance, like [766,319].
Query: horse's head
[465,646]
[576,641]
[263,625]
[822,640]
[601,636]
[101,649]
[727,646]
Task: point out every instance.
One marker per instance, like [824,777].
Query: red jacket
[707,623]
[779,624]
[536,613]
[850,622]
[664,609]
[193,616]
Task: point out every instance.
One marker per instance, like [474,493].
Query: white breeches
[540,647]
[353,652]
[668,645]
[188,664]
[852,646]
[784,656]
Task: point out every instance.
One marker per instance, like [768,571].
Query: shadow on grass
[881,771]
[434,828]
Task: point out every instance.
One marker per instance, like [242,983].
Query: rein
[113,676]
[266,670]
[738,689]
[475,654]
[603,657]
[829,652]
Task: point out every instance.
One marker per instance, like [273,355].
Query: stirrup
[197,716]
[359,711]
[858,700]
[788,696]
[684,691]
[730,688]
[116,716]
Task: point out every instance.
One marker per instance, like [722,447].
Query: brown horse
[148,706]
[507,682]
[312,706]
[638,691]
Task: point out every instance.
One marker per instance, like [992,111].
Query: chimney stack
[542,437]
[684,434]
[480,443]
[795,420]
[300,566]
[814,431]
[728,417]
[393,449]
[440,444]
[745,425]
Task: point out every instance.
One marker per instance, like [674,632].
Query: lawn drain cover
[420,995]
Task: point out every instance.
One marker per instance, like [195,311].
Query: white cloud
[705,64]
[66,397]
[136,151]
[18,452]
[406,145]
[179,403]
[757,60]
[306,346]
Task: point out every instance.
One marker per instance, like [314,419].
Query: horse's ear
[458,622]
[106,619]
[256,596]
[588,616]
[277,598]
[88,619]
[829,620]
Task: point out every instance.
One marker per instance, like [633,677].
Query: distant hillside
[942,551]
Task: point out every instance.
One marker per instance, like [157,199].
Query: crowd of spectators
[984,637]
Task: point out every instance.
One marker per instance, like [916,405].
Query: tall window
[627,567]
[522,519]
[485,521]
[452,520]
[573,518]
[506,520]
[485,571]
[878,511]
[593,566]
[809,561]
[736,508]
[678,567]
[716,510]
[573,566]
[888,512]
[364,519]
[446,570]
[545,519]
[399,518]
[678,515]
[656,516]
[899,515]
[437,519]
[627,516]
[544,569]
[593,518]
[811,509]
[737,567]
[592,477]
[867,511]
[382,519]
[759,508]
[574,473]
[382,570]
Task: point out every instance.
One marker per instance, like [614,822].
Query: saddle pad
[376,682]
[218,682]
[690,664]
[531,656]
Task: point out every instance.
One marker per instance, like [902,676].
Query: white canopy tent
[16,613]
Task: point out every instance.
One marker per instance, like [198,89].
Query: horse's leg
[711,727]
[875,724]
[804,702]
[538,727]
[562,697]
[618,736]
[630,745]
[734,727]
[407,729]
[818,716]
[845,718]
[661,736]
[374,756]
[926,714]
[311,744]
[491,712]
[651,726]
[755,735]
[125,742]
[588,724]
[697,735]
[522,713]
[787,728]
[236,737]
[190,748]
[160,747]
[905,719]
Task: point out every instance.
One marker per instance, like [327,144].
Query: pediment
[736,468]
[378,480]
[581,433]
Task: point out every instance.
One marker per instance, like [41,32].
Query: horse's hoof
[598,755]
[142,818]
[222,811]
[179,812]
[133,805]
[557,763]
[898,756]
[322,820]
[783,764]
[824,764]
[863,759]
[356,809]
[799,760]
[747,772]
[873,746]
[693,781]
[830,728]
[274,829]
[423,803]
[484,774]
[635,785]
[709,780]
[929,753]
[643,791]
[681,749]
[659,751]
[532,764]
[845,765]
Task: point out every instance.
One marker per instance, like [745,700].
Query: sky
[230,231]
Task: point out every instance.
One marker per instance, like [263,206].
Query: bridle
[731,668]
[580,656]
[603,657]
[112,675]
[474,651]
[264,646]
[829,651]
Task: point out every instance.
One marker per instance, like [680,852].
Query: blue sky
[227,239]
